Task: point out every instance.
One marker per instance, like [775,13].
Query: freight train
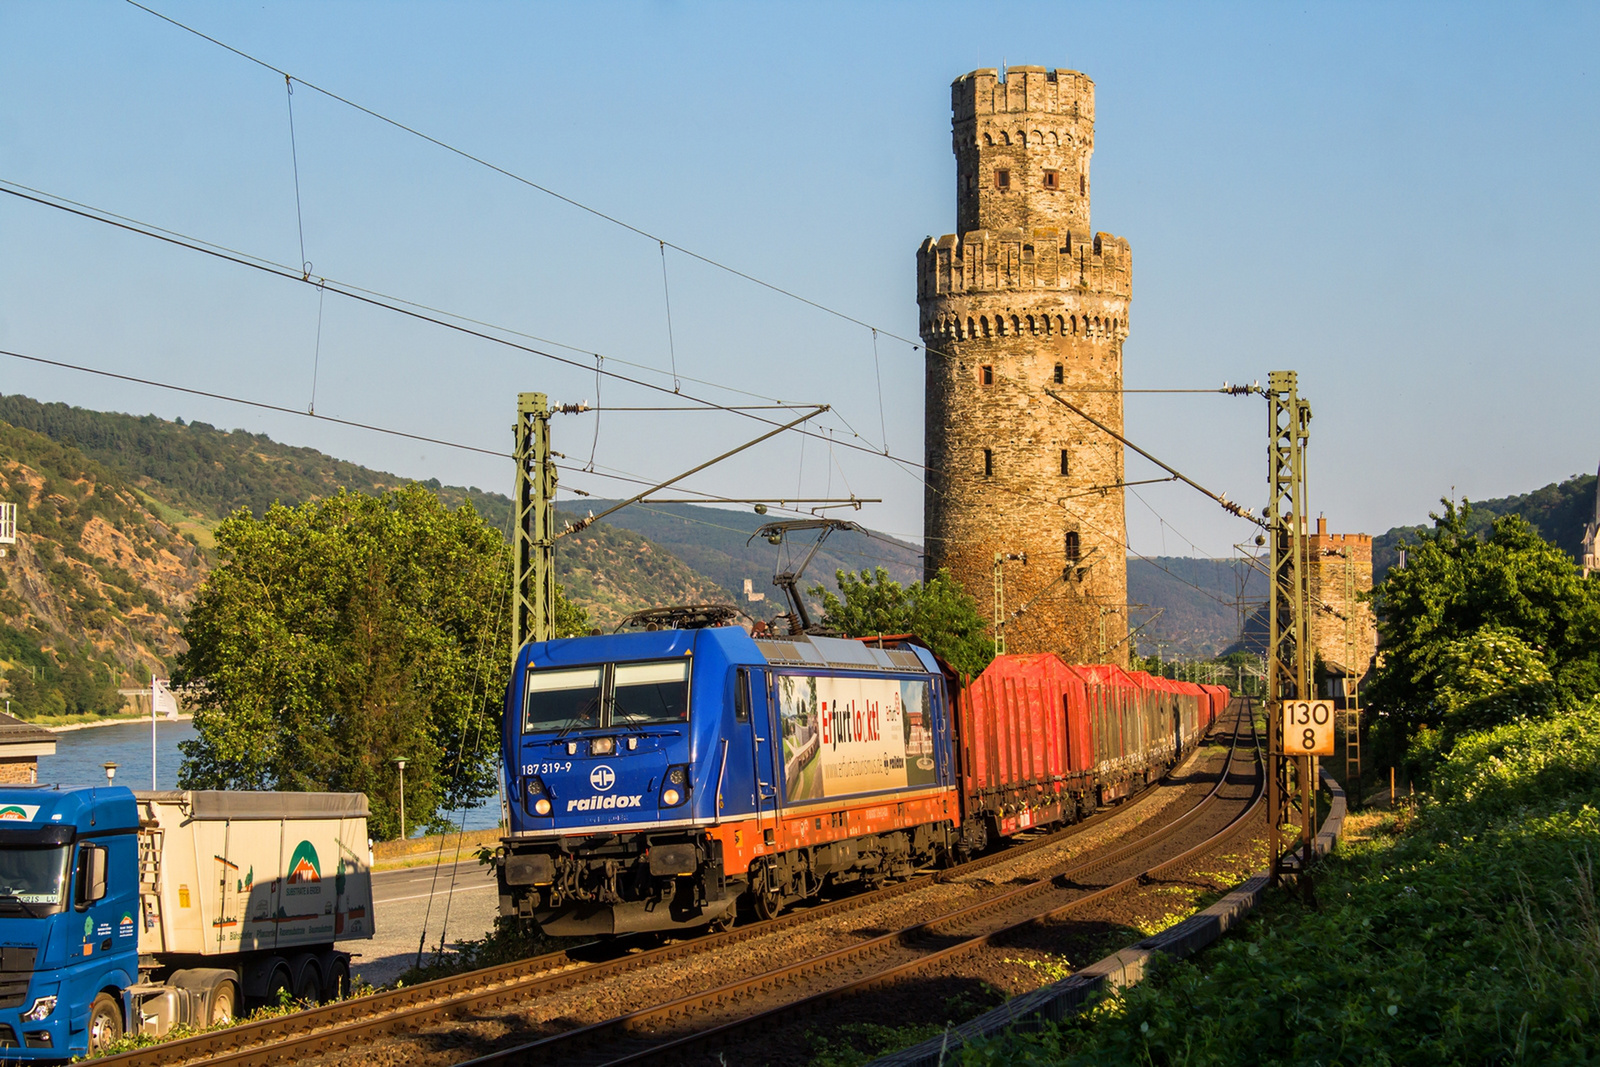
[671,778]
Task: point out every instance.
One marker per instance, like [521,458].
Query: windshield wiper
[578,717]
[8,898]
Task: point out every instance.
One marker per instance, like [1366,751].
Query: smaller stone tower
[1340,572]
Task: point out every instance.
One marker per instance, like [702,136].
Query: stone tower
[1338,575]
[1027,297]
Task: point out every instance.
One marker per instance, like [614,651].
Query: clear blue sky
[1397,201]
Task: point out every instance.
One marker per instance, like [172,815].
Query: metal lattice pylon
[533,589]
[1289,653]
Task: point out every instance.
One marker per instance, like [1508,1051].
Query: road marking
[420,896]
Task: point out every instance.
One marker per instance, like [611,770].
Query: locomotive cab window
[741,695]
[563,699]
[651,693]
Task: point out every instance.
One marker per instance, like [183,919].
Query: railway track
[351,1023]
[654,1034]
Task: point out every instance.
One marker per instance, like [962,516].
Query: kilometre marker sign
[1308,727]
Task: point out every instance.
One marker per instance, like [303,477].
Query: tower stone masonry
[1026,297]
[1340,574]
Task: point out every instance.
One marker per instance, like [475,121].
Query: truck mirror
[91,874]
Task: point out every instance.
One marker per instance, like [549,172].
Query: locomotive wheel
[764,896]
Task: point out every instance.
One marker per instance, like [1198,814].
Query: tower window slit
[988,463]
[1074,550]
[986,374]
[1060,376]
[1002,180]
[1064,473]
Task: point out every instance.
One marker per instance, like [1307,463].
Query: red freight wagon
[1040,741]
[1026,746]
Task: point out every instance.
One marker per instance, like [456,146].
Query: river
[81,755]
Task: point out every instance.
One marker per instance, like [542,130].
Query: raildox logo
[602,778]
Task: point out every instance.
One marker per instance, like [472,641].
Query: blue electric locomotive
[657,778]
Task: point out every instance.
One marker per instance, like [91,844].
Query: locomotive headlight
[675,790]
[535,797]
[603,746]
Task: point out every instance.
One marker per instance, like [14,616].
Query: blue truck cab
[69,907]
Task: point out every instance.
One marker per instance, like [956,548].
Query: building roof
[13,731]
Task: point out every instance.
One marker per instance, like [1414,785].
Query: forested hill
[93,592]
[207,472]
[1197,600]
[717,543]
[1558,512]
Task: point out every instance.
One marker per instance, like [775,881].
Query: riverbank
[448,848]
[61,724]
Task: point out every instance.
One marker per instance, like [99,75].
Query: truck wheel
[105,1023]
[224,1002]
[308,982]
[337,987]
[279,985]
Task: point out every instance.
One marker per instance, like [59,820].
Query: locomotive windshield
[563,700]
[622,694]
[651,693]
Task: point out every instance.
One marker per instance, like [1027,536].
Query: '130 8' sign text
[1308,727]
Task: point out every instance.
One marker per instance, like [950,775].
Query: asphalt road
[412,900]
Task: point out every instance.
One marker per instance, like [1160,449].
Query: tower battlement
[983,92]
[986,261]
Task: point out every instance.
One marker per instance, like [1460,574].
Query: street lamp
[400,762]
[111,771]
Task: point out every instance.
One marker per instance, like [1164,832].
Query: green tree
[1479,630]
[938,611]
[340,634]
